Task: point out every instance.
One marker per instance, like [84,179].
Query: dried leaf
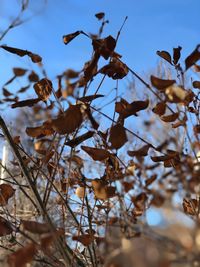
[33,77]
[26,103]
[117,136]
[102,190]
[93,122]
[96,153]
[43,89]
[35,227]
[192,58]
[6,93]
[160,108]
[190,206]
[78,140]
[161,84]
[89,98]
[100,15]
[170,118]
[23,89]
[69,37]
[43,130]
[125,109]
[176,94]
[176,54]
[22,256]
[80,192]
[19,72]
[69,121]
[115,69]
[142,152]
[35,58]
[5,227]
[196,84]
[85,239]
[6,192]
[165,55]
[150,180]
[104,47]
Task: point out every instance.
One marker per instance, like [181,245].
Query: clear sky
[152,25]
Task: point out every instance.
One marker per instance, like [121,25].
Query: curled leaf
[20,52]
[176,54]
[43,89]
[69,37]
[115,69]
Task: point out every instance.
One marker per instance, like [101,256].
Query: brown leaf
[96,153]
[102,190]
[78,140]
[176,54]
[85,239]
[165,55]
[6,93]
[20,52]
[33,77]
[170,118]
[71,74]
[35,227]
[117,136]
[43,89]
[43,130]
[150,180]
[190,206]
[142,152]
[22,256]
[125,109]
[5,227]
[89,98]
[6,192]
[192,58]
[23,89]
[139,201]
[171,155]
[80,191]
[90,68]
[100,15]
[161,84]
[115,69]
[93,122]
[196,84]
[160,108]
[104,47]
[69,121]
[19,72]
[26,103]
[69,37]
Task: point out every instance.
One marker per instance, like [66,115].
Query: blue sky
[151,26]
